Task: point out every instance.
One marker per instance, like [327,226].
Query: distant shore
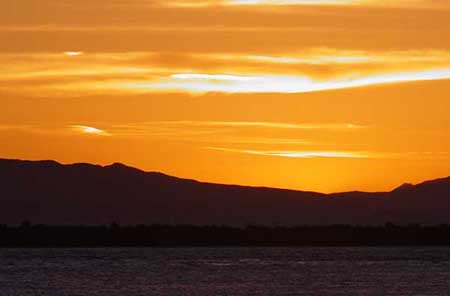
[114,235]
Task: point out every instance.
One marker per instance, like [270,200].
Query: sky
[324,95]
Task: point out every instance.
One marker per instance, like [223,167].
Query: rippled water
[225,271]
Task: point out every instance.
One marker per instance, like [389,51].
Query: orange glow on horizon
[327,95]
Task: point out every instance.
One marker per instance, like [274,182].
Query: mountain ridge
[49,192]
[121,165]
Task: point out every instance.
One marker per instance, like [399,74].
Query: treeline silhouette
[114,235]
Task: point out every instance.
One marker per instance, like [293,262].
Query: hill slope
[52,193]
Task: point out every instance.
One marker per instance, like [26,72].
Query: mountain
[51,193]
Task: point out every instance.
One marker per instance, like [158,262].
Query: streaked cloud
[316,69]
[84,129]
[231,132]
[252,138]
[269,134]
[291,2]
[261,124]
[213,77]
[228,128]
[259,3]
[298,154]
[206,3]
[407,155]
[332,56]
[73,53]
[204,83]
[317,60]
[49,129]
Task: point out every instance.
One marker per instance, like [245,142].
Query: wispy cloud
[262,124]
[203,83]
[291,2]
[269,134]
[313,70]
[410,155]
[89,130]
[262,138]
[298,154]
[69,129]
[391,3]
[228,129]
[206,3]
[73,53]
[332,56]
[232,132]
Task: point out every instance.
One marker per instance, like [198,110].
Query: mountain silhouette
[51,193]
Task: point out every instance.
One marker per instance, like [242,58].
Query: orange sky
[325,95]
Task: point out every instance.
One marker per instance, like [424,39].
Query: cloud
[408,155]
[236,133]
[261,124]
[206,3]
[262,134]
[253,138]
[218,128]
[204,83]
[333,56]
[298,154]
[73,53]
[196,15]
[290,2]
[309,70]
[89,130]
[54,129]
[262,3]
[213,77]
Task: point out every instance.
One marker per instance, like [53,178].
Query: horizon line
[215,183]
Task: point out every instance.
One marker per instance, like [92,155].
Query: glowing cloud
[297,154]
[269,124]
[206,3]
[215,77]
[203,83]
[73,53]
[309,70]
[290,2]
[317,60]
[242,124]
[84,129]
[333,56]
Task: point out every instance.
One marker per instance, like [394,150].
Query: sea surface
[225,271]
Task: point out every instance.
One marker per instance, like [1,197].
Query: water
[225,271]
